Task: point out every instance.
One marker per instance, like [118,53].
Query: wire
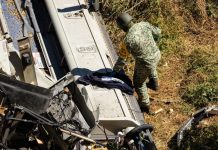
[103,130]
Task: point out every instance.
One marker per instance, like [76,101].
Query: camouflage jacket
[140,42]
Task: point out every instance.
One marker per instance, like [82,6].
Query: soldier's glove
[153,84]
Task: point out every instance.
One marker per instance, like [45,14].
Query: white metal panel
[85,52]
[78,35]
[4,58]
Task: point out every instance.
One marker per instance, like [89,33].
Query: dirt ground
[168,121]
[174,110]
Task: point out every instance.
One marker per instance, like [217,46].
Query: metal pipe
[39,36]
[81,137]
[78,135]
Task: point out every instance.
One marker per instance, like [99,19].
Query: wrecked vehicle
[194,121]
[45,47]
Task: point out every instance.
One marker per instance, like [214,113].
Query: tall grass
[161,13]
[180,21]
[201,83]
[201,138]
[190,31]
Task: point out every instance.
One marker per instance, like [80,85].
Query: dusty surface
[168,121]
[174,111]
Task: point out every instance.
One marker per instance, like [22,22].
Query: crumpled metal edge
[195,119]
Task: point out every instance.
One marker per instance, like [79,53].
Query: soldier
[140,42]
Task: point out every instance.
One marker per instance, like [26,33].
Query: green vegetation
[201,138]
[180,21]
[202,78]
[160,13]
[190,34]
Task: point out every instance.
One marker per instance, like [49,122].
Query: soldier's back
[140,42]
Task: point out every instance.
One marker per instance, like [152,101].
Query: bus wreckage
[45,47]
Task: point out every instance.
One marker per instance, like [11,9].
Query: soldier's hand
[153,84]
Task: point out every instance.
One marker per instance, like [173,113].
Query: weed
[201,85]
[185,29]
[186,108]
[201,138]
[212,9]
[200,95]
[161,13]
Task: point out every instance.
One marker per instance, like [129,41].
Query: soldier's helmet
[123,21]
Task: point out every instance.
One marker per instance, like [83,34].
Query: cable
[103,130]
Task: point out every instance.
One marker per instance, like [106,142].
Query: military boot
[145,106]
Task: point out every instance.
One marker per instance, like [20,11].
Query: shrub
[201,84]
[201,138]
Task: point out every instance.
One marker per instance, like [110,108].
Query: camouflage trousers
[141,74]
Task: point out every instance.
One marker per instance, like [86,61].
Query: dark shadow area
[197,138]
[73,8]
[85,71]
[17,64]
[172,144]
[50,38]
[30,96]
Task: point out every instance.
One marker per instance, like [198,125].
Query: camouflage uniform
[140,42]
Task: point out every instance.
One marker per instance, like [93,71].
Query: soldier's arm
[155,31]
